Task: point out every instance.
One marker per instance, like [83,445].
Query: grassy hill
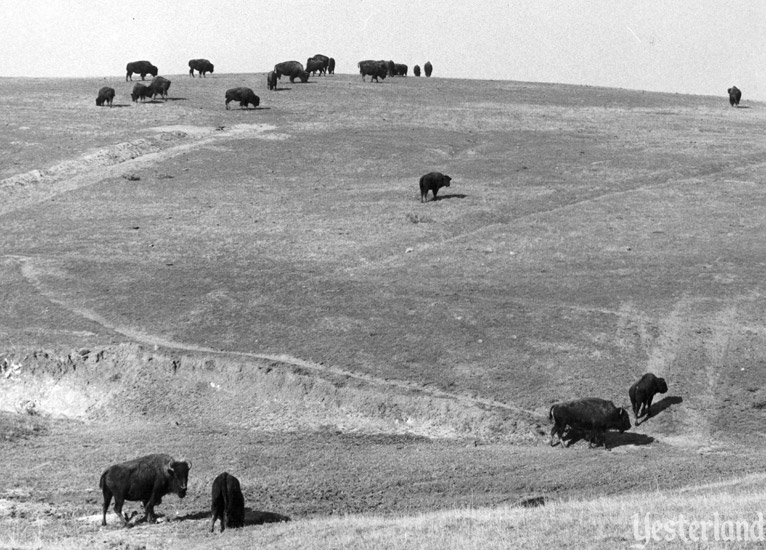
[262,290]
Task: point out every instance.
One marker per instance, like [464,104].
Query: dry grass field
[262,291]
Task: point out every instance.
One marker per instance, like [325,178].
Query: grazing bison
[433,181]
[314,66]
[322,59]
[642,392]
[228,502]
[159,86]
[245,96]
[105,95]
[734,95]
[400,69]
[146,479]
[293,69]
[428,68]
[140,92]
[271,80]
[376,69]
[416,70]
[200,65]
[592,415]
[331,66]
[140,67]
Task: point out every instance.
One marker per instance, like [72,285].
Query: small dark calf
[105,95]
[271,80]
[734,95]
[228,502]
[433,181]
[642,392]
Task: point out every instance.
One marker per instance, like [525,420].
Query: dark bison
[400,69]
[271,80]
[228,502]
[734,95]
[376,69]
[642,392]
[416,70]
[105,95]
[140,92]
[159,86]
[292,69]
[245,96]
[322,59]
[140,67]
[200,65]
[433,181]
[391,68]
[428,68]
[592,416]
[331,66]
[146,479]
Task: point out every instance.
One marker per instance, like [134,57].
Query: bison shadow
[176,99]
[118,105]
[252,517]
[661,405]
[743,106]
[450,196]
[614,439]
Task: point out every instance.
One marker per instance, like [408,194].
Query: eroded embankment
[131,383]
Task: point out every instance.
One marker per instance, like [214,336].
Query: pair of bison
[149,478]
[158,86]
[592,417]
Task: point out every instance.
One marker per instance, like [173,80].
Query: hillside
[263,291]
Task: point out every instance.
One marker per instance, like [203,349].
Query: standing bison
[433,181]
[416,70]
[140,92]
[139,67]
[593,416]
[400,69]
[428,68]
[292,69]
[642,392]
[202,66]
[734,95]
[245,96]
[376,69]
[105,95]
[331,66]
[228,502]
[159,86]
[146,479]
[318,63]
[271,80]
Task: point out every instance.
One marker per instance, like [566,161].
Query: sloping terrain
[180,277]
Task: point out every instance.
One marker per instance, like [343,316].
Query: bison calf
[228,502]
[433,181]
[243,95]
[146,479]
[642,392]
[105,95]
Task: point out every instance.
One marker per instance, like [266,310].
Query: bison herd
[592,417]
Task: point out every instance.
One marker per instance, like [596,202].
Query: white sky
[685,46]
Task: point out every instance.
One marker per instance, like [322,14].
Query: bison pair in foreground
[591,417]
[146,479]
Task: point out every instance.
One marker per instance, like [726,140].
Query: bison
[319,63]
[293,69]
[140,92]
[428,68]
[642,392]
[593,416]
[376,69]
[200,65]
[105,95]
[228,502]
[416,70]
[271,80]
[734,95]
[146,479]
[433,181]
[331,66]
[400,69]
[245,96]
[159,86]
[140,67]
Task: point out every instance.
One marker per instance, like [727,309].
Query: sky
[679,46]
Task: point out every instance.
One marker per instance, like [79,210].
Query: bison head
[623,420]
[178,474]
[662,386]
